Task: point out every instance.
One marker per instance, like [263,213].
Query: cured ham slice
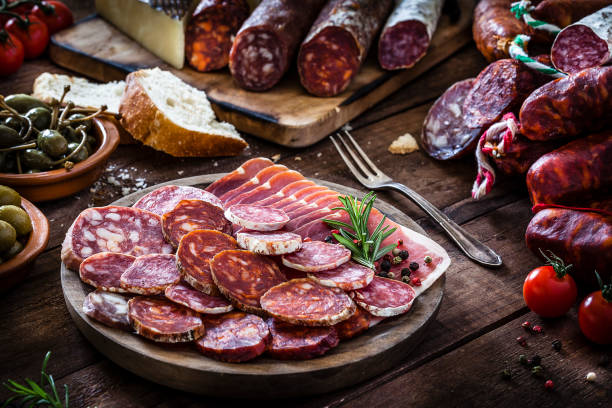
[296,223]
[286,191]
[259,179]
[309,199]
[297,196]
[241,175]
[272,186]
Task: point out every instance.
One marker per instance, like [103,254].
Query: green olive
[8,236]
[8,162]
[9,137]
[14,123]
[14,250]
[23,103]
[17,217]
[79,156]
[52,142]
[70,134]
[36,159]
[40,117]
[8,196]
[79,116]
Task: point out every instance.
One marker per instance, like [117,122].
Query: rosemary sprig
[364,246]
[34,394]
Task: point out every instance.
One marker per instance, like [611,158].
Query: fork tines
[361,166]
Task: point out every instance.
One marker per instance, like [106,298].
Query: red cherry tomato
[548,290]
[55,14]
[22,9]
[11,53]
[32,33]
[595,315]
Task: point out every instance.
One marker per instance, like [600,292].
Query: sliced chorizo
[191,215]
[291,342]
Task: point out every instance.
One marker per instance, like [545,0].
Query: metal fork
[370,176]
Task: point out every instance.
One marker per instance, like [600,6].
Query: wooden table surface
[465,349]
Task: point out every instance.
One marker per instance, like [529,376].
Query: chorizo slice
[385,297]
[191,215]
[103,270]
[269,243]
[291,342]
[354,325]
[163,321]
[348,276]
[185,295]
[317,256]
[306,303]
[234,337]
[257,218]
[110,309]
[150,274]
[164,199]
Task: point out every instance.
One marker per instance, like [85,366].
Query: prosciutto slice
[241,175]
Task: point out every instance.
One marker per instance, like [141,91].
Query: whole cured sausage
[267,41]
[580,238]
[564,12]
[164,199]
[407,33]
[569,106]
[291,342]
[385,297]
[257,218]
[150,274]
[196,300]
[269,243]
[108,308]
[338,42]
[573,173]
[191,215]
[317,256]
[585,44]
[210,32]
[103,270]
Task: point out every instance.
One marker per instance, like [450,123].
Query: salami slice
[306,303]
[385,297]
[125,230]
[243,276]
[338,42]
[445,134]
[406,35]
[210,32]
[195,300]
[108,308]
[269,243]
[234,337]
[163,321]
[585,44]
[241,175]
[348,276]
[103,270]
[354,325]
[256,218]
[191,215]
[317,256]
[194,254]
[165,198]
[267,41]
[290,342]
[150,274]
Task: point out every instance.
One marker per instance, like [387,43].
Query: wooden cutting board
[181,366]
[286,114]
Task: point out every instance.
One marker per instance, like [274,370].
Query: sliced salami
[164,199]
[306,303]
[150,274]
[354,325]
[125,230]
[103,270]
[385,297]
[243,276]
[108,308]
[185,295]
[445,134]
[348,276]
[585,44]
[406,35]
[241,175]
[256,218]
[163,321]
[234,337]
[194,254]
[317,256]
[269,243]
[290,342]
[191,215]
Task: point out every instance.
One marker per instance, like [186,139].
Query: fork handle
[474,249]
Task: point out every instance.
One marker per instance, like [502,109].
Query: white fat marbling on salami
[108,308]
[348,276]
[257,218]
[269,243]
[317,256]
[103,270]
[385,297]
[185,295]
[151,274]
[164,199]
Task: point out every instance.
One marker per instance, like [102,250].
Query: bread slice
[167,114]
[82,92]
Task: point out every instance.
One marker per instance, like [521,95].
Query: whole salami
[267,41]
[108,308]
[290,342]
[338,42]
[564,12]
[406,35]
[191,215]
[445,134]
[569,106]
[210,32]
[164,199]
[585,44]
[103,270]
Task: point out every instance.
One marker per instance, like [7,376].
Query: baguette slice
[167,114]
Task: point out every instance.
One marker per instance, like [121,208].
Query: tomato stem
[606,290]
[557,263]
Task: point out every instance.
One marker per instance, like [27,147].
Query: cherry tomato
[548,290]
[55,14]
[595,315]
[32,33]
[11,53]
[22,9]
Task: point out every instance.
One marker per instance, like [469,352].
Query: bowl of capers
[24,234]
[48,151]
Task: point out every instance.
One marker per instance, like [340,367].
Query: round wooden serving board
[181,366]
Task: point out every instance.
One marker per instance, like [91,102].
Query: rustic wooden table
[465,349]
